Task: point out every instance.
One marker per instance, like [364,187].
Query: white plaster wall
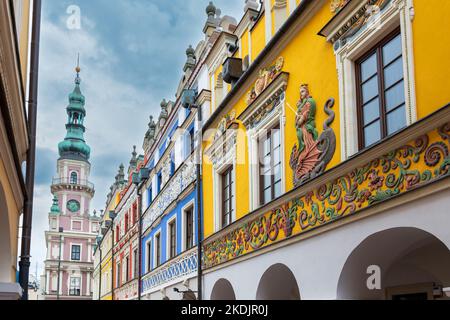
[317,262]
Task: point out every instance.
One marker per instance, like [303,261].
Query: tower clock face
[73,205]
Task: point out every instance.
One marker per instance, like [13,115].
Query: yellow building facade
[103,266]
[14,140]
[339,121]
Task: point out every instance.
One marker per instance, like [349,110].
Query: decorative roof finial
[133,161]
[55,206]
[211,9]
[78,70]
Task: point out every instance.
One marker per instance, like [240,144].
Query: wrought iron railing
[183,265]
[69,181]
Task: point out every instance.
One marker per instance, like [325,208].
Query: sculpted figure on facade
[313,152]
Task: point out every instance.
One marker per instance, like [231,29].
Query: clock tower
[72,228]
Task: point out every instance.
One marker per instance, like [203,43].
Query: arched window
[73,178]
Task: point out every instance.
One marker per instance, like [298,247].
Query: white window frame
[55,221]
[76,220]
[190,204]
[154,263]
[168,235]
[398,13]
[253,136]
[148,266]
[81,251]
[230,161]
[217,180]
[76,275]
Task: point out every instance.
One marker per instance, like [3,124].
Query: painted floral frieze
[418,163]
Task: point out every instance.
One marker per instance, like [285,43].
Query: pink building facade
[71,236]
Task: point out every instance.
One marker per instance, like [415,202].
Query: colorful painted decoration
[414,165]
[225,123]
[337,5]
[265,77]
[361,18]
[313,153]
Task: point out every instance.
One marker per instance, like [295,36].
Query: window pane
[395,96]
[393,73]
[267,178]
[266,161]
[392,50]
[372,133]
[276,137]
[277,189]
[276,155]
[277,172]
[371,111]
[369,67]
[266,149]
[396,119]
[267,195]
[370,89]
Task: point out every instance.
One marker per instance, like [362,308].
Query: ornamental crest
[224,124]
[337,5]
[265,77]
[313,153]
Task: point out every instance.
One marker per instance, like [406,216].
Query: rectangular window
[149,256]
[172,239]
[381,93]
[74,289]
[191,140]
[189,218]
[270,165]
[76,225]
[135,216]
[159,181]
[158,249]
[126,222]
[117,233]
[75,254]
[227,197]
[172,163]
[136,263]
[53,224]
[127,269]
[149,195]
[118,275]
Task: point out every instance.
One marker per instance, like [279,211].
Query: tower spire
[78,70]
[74,146]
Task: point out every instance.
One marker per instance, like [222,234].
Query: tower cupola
[74,146]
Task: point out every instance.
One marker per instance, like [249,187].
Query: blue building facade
[170,206]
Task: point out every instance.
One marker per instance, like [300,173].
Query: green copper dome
[55,207]
[74,145]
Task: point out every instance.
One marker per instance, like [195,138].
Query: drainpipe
[112,216]
[100,277]
[139,242]
[24,263]
[199,208]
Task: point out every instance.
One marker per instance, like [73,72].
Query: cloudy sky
[132,53]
